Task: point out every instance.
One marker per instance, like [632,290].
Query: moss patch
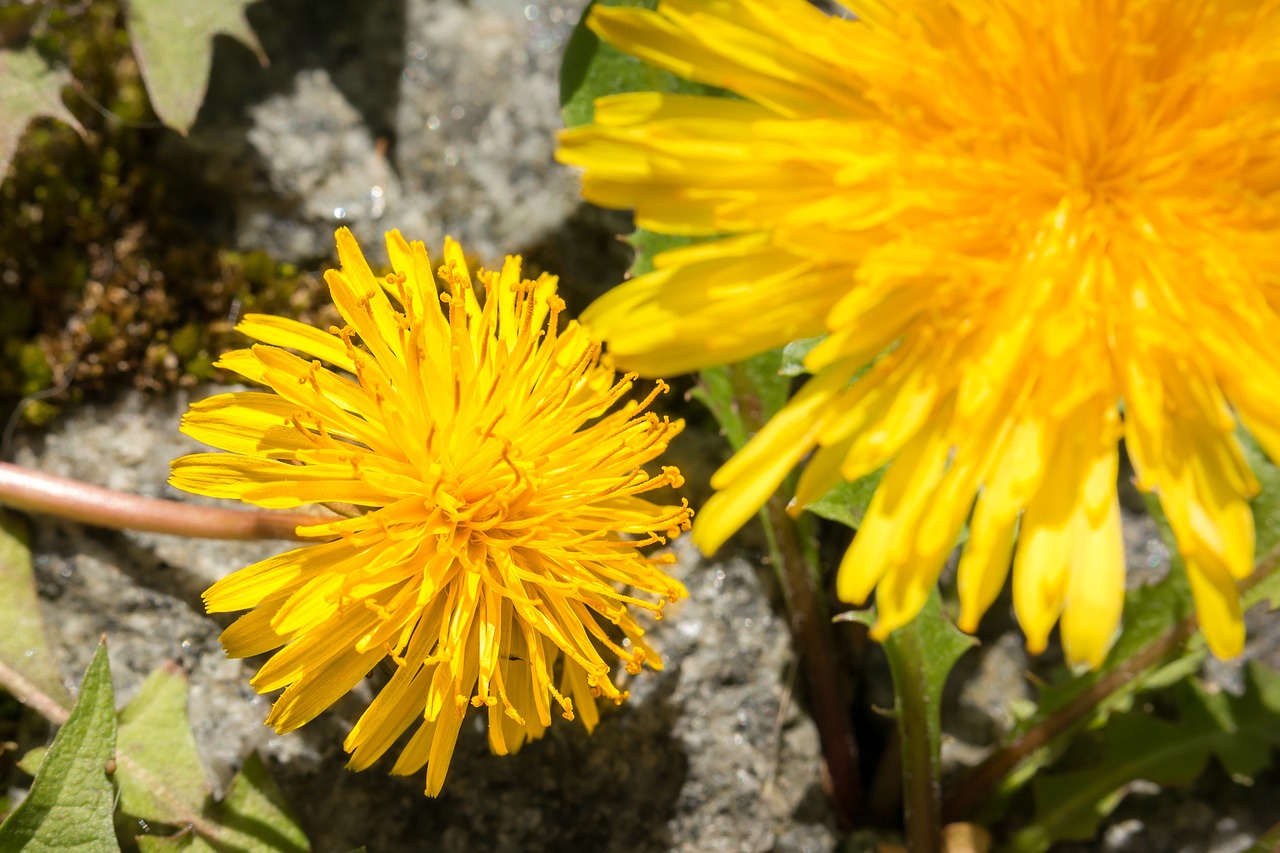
[111,271]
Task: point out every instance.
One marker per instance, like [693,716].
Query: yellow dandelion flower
[1039,227]
[501,505]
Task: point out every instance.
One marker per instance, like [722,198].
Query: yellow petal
[1218,607]
[884,539]
[1095,589]
[284,332]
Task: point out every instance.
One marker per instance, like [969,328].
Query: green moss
[15,319]
[258,269]
[36,373]
[40,412]
[108,274]
[186,342]
[100,328]
[200,368]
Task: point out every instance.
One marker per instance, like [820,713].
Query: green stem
[36,491]
[919,725]
[812,635]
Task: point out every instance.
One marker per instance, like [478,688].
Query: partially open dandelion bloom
[1040,226]
[503,505]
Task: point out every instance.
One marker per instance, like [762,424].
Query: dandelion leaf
[173,40]
[255,813]
[744,396]
[1240,732]
[162,781]
[1150,613]
[29,88]
[23,646]
[648,245]
[592,68]
[847,502]
[160,775]
[941,645]
[252,818]
[794,354]
[69,807]
[1266,522]
[31,760]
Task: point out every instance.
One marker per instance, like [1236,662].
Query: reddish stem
[36,491]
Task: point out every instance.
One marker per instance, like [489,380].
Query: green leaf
[592,68]
[70,803]
[252,817]
[23,646]
[173,40]
[255,813]
[743,397]
[1150,612]
[160,775]
[847,502]
[30,762]
[930,645]
[1266,521]
[1240,732]
[29,88]
[794,354]
[648,245]
[163,781]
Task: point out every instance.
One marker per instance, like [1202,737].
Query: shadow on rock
[614,790]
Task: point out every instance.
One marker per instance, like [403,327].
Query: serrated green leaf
[592,68]
[938,644]
[1150,613]
[29,88]
[865,616]
[715,391]
[847,502]
[23,646]
[1240,732]
[794,354]
[162,779]
[173,41]
[69,807]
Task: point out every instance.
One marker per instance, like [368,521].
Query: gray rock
[323,169]
[432,116]
[476,123]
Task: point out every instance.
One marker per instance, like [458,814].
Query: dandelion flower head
[1028,230]
[499,502]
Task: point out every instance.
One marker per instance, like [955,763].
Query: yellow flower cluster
[1028,230]
[498,502]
